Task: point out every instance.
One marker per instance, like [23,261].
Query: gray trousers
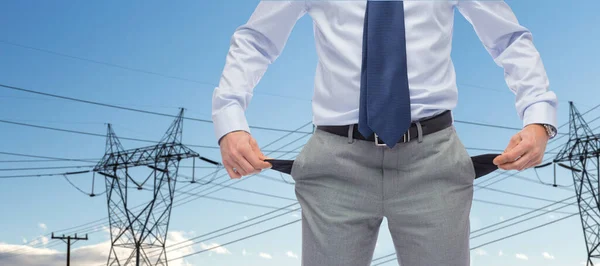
[345,188]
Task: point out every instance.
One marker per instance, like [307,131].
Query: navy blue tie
[384,95]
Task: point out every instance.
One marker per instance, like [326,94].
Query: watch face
[550,130]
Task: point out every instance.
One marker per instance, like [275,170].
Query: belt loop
[351,134]
[419,131]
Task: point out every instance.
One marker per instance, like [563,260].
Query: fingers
[229,167]
[240,151]
[256,149]
[514,141]
[512,155]
[502,159]
[252,161]
[521,163]
[527,153]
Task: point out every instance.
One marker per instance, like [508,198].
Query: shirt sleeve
[511,46]
[253,47]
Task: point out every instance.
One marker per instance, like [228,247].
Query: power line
[525,231]
[524,214]
[531,218]
[195,241]
[494,126]
[41,175]
[515,194]
[240,239]
[47,157]
[131,109]
[45,168]
[37,161]
[100,135]
[511,205]
[134,69]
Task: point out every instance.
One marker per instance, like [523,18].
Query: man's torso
[338,29]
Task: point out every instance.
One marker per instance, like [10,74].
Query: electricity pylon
[582,151]
[141,234]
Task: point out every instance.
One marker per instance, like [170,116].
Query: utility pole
[69,238]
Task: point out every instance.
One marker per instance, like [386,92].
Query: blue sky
[186,44]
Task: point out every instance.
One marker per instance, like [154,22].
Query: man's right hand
[240,150]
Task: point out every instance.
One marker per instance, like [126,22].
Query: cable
[45,168]
[515,194]
[521,215]
[38,175]
[238,240]
[192,240]
[99,135]
[525,231]
[37,161]
[131,109]
[79,189]
[510,205]
[512,224]
[46,157]
[134,69]
[222,200]
[493,126]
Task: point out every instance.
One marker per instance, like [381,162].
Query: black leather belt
[428,126]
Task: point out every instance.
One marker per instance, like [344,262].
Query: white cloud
[265,255]
[24,240]
[521,256]
[43,226]
[44,240]
[95,254]
[502,218]
[295,215]
[245,218]
[500,253]
[480,252]
[244,252]
[215,248]
[548,256]
[291,255]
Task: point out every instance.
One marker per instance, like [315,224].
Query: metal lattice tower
[141,233]
[582,151]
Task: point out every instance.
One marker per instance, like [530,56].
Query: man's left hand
[525,149]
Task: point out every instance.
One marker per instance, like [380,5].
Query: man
[384,145]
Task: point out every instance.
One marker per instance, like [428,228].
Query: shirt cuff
[540,113]
[229,119]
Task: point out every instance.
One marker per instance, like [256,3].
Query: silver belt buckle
[405,139]
[377,141]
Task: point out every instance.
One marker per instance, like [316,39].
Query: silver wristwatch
[551,130]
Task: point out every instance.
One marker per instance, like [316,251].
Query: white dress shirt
[338,29]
